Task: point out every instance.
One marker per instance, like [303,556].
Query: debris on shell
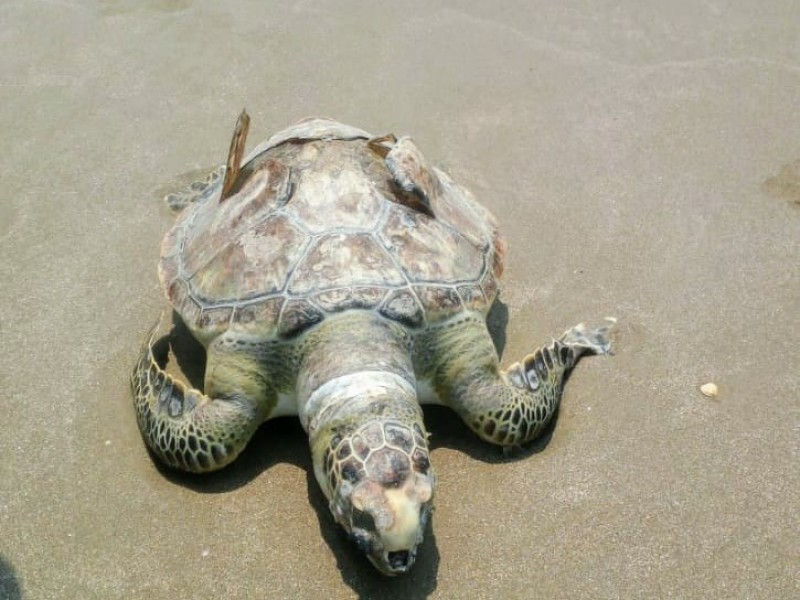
[709,389]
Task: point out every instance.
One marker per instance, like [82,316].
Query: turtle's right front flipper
[185,428]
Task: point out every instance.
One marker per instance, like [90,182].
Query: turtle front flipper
[185,428]
[508,407]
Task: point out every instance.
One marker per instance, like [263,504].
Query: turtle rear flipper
[220,182]
[409,170]
[200,190]
[235,154]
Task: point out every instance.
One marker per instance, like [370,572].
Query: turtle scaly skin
[185,428]
[340,278]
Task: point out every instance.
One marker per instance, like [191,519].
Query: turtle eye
[362,520]
[362,525]
[362,540]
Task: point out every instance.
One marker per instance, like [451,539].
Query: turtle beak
[395,562]
[400,560]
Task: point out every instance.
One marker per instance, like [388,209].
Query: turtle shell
[323,220]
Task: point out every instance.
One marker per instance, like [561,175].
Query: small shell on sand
[709,389]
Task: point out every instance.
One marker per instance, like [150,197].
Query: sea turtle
[337,276]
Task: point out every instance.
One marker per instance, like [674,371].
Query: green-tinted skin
[507,407]
[369,448]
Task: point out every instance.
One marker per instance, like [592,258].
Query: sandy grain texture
[641,158]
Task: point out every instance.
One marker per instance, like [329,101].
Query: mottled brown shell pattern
[319,225]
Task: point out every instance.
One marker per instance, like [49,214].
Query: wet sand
[642,161]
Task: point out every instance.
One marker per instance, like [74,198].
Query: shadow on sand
[283,440]
[10,588]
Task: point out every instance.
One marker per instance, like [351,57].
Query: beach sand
[642,160]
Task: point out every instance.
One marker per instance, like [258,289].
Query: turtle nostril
[398,559]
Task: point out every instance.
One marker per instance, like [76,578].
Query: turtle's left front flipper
[510,407]
[185,428]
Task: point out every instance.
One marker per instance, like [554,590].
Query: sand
[642,159]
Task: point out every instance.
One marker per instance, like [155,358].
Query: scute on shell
[317,224]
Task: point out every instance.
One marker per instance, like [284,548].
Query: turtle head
[388,523]
[381,492]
